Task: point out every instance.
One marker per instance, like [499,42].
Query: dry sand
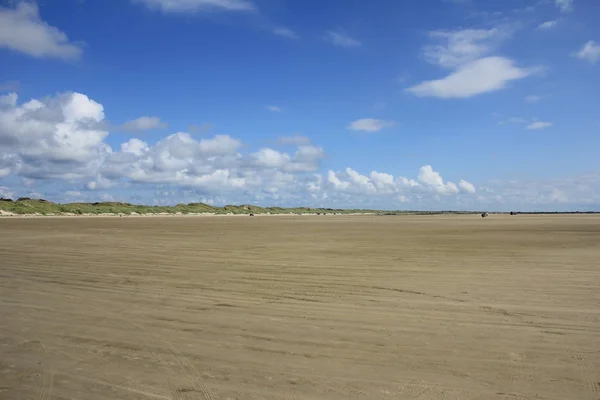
[357,307]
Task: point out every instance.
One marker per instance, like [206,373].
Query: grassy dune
[44,207]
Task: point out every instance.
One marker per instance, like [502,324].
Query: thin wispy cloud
[275,109]
[185,6]
[369,125]
[142,124]
[202,128]
[286,33]
[458,47]
[548,25]
[589,52]
[564,5]
[528,123]
[297,140]
[539,125]
[341,39]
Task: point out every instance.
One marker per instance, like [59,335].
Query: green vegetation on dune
[27,206]
[44,207]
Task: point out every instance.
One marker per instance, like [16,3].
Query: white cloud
[55,142]
[589,52]
[184,6]
[274,109]
[106,197]
[477,77]
[532,98]
[564,5]
[270,158]
[22,29]
[466,187]
[369,125]
[285,32]
[539,125]
[531,124]
[570,193]
[336,182]
[56,137]
[143,124]
[99,183]
[434,180]
[9,100]
[307,158]
[382,181]
[293,140]
[220,145]
[463,46]
[340,39]
[134,146]
[350,184]
[400,188]
[548,25]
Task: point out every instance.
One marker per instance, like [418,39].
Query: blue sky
[435,104]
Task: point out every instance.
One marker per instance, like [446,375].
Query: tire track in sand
[192,373]
[592,382]
[47,381]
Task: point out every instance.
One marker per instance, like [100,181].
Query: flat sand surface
[329,307]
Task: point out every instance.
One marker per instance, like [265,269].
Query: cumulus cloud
[474,78]
[539,125]
[57,137]
[548,25]
[9,100]
[589,52]
[143,124]
[434,181]
[564,5]
[340,39]
[23,30]
[61,139]
[276,109]
[378,183]
[269,158]
[369,125]
[285,32]
[134,146]
[184,6]
[466,187]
